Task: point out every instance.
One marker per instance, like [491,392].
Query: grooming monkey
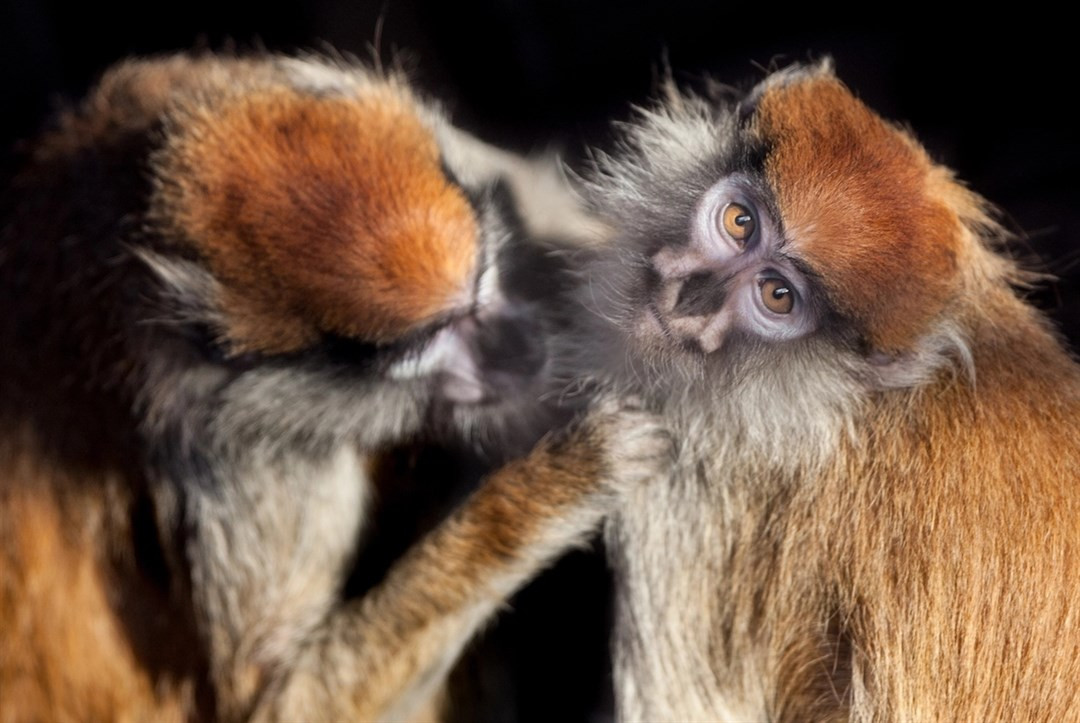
[875,513]
[227,285]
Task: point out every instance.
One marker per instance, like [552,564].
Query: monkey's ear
[945,347]
[317,214]
[795,73]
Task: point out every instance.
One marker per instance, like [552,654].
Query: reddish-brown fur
[937,556]
[176,532]
[854,192]
[319,214]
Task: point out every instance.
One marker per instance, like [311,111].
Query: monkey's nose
[699,294]
[693,309]
[675,263]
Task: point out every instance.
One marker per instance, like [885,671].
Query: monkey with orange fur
[228,284]
[875,513]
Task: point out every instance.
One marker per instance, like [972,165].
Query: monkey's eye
[777,295]
[737,222]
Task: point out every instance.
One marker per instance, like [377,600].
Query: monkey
[228,284]
[875,509]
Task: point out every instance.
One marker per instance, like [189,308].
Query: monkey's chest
[673,657]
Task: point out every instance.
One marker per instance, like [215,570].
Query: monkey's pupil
[737,222]
[777,295]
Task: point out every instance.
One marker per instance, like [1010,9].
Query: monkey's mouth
[694,334]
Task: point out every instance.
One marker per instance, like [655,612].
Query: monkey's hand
[634,444]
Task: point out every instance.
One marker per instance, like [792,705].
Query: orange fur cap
[318,214]
[885,250]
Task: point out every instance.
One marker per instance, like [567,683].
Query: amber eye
[777,295]
[737,222]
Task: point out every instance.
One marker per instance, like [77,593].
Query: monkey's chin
[494,388]
[461,389]
[502,418]
[650,359]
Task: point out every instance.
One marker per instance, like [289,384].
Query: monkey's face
[732,274]
[786,228]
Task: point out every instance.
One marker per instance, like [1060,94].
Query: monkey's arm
[283,646]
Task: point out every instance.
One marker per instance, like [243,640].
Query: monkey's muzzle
[497,356]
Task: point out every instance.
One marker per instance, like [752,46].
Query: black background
[989,96]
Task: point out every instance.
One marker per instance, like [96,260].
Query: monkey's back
[85,636]
[91,628]
[965,529]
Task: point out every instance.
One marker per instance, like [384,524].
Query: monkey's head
[316,221]
[788,243]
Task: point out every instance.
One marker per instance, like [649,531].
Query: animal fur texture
[876,507]
[228,284]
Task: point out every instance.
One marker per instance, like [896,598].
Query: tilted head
[783,225]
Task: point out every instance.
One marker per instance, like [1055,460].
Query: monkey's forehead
[861,202]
